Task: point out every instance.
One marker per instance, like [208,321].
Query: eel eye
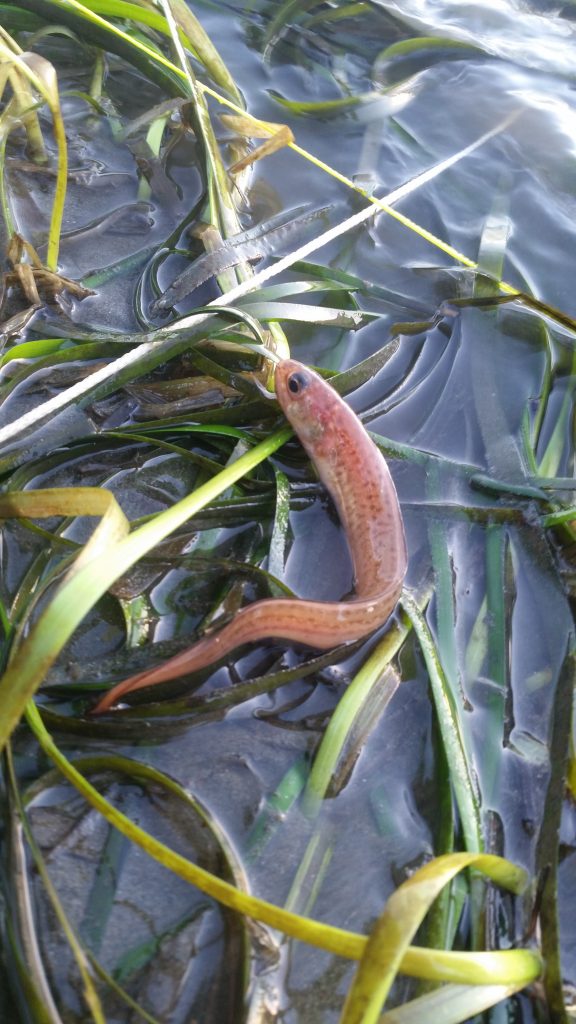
[297,382]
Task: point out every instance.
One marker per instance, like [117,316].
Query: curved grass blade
[90,351]
[401,918]
[90,993]
[522,965]
[550,461]
[557,316]
[21,939]
[407,47]
[351,10]
[35,349]
[148,775]
[21,108]
[251,245]
[326,107]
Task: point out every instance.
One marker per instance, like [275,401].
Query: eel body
[357,476]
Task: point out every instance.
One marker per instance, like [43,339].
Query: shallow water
[465,390]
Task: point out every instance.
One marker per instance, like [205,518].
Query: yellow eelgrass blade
[401,918]
[517,967]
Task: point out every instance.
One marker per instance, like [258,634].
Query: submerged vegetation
[299,812]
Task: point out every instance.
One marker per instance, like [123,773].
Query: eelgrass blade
[21,938]
[204,49]
[275,807]
[451,1004]
[41,75]
[23,830]
[497,597]
[344,11]
[402,916]
[346,713]
[461,772]
[547,852]
[523,966]
[281,525]
[415,44]
[288,12]
[121,992]
[320,315]
[550,461]
[442,918]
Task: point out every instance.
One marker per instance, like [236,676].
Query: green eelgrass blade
[407,47]
[275,807]
[461,774]
[345,714]
[351,10]
[288,12]
[496,661]
[550,460]
[278,540]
